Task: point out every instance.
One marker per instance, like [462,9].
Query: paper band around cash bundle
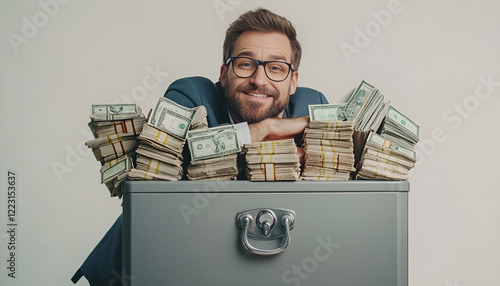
[123,125]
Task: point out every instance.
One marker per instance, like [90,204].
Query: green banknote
[327,112]
[172,118]
[103,112]
[357,100]
[213,142]
[122,165]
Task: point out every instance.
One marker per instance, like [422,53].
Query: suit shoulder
[306,95]
[192,91]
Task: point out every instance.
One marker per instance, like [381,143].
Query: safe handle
[245,222]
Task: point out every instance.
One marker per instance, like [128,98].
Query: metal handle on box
[265,230]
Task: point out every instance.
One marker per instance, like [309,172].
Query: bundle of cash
[384,160]
[115,128]
[366,108]
[399,129]
[213,153]
[219,168]
[370,114]
[162,140]
[272,161]
[328,144]
[114,173]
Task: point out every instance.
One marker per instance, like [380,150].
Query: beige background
[428,59]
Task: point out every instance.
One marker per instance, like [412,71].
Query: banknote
[328,150]
[357,100]
[327,112]
[123,165]
[172,118]
[161,140]
[378,143]
[132,126]
[272,161]
[155,166]
[384,160]
[400,129]
[271,147]
[101,112]
[402,121]
[213,142]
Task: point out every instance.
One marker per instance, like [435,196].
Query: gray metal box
[188,233]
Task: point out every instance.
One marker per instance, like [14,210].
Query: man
[258,87]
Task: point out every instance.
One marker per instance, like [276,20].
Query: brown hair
[265,21]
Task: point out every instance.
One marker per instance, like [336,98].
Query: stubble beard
[252,112]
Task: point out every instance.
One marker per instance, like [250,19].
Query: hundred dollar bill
[327,112]
[123,165]
[102,112]
[172,118]
[213,142]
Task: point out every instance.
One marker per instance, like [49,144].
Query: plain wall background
[429,59]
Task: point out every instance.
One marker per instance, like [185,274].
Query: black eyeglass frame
[262,63]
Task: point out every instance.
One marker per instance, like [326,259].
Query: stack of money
[383,160]
[399,129]
[213,153]
[272,161]
[115,128]
[366,108]
[328,144]
[162,140]
[114,173]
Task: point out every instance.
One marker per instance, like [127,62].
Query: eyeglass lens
[246,67]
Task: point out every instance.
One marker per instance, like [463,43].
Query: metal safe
[345,233]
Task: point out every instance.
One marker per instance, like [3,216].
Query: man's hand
[277,128]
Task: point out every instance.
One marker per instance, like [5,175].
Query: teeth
[258,95]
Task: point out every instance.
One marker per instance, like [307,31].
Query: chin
[254,117]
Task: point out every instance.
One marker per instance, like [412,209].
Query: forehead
[263,46]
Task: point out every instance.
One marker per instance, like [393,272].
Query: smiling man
[261,58]
[257,91]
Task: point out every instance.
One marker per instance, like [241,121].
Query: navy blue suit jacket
[103,266]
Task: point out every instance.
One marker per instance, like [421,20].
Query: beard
[253,112]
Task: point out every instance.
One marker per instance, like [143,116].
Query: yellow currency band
[111,137]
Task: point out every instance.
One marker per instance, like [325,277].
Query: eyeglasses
[244,67]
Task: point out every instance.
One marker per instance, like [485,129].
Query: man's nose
[259,78]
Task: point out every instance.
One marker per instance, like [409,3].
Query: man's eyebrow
[274,57]
[245,54]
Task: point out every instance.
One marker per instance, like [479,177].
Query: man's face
[256,98]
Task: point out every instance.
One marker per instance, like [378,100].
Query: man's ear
[223,75]
[293,83]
